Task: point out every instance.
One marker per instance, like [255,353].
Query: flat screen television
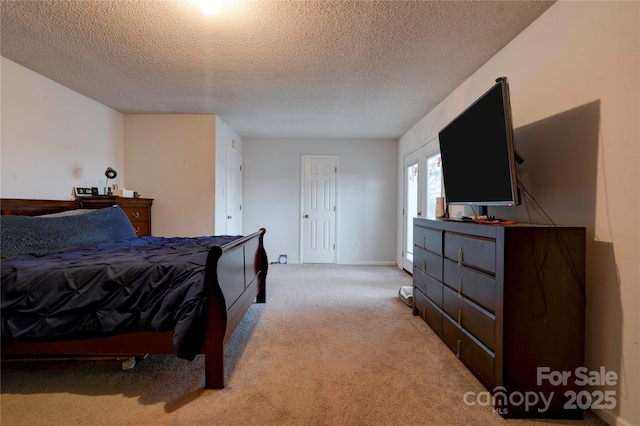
[478,153]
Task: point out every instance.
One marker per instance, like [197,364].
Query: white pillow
[76,212]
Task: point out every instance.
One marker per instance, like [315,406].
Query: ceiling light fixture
[210,7]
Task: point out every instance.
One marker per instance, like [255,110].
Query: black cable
[539,267]
[543,214]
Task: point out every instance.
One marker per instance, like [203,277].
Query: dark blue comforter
[138,284]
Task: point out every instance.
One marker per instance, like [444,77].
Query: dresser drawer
[480,323]
[479,287]
[137,214]
[419,279]
[428,262]
[139,217]
[480,360]
[428,239]
[141,228]
[429,286]
[428,311]
[478,252]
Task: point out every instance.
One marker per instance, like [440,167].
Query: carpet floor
[333,345]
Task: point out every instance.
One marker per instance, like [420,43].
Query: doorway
[411,205]
[422,185]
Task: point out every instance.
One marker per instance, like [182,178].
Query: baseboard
[611,418]
[369,263]
[289,262]
[359,263]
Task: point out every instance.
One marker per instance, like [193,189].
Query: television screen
[478,156]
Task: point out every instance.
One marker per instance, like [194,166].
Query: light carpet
[333,345]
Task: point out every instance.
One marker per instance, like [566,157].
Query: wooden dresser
[507,300]
[138,210]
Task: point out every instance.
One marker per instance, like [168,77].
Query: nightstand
[138,210]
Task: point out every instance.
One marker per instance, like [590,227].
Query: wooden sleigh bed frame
[235,276]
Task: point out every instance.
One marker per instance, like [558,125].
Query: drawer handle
[424,266]
[458,351]
[137,229]
[135,215]
[460,317]
[460,287]
[460,256]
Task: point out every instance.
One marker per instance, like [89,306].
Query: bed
[107,292]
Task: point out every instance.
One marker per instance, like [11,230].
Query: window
[412,206]
[434,183]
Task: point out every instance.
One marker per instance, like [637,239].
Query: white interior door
[234,192]
[318,226]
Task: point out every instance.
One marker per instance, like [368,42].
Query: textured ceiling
[269,69]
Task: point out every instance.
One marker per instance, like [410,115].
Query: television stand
[503,311]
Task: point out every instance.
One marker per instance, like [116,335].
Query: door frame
[421,154]
[231,151]
[412,158]
[304,157]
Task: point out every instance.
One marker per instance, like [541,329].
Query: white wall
[171,158]
[53,138]
[366,203]
[574,76]
[225,136]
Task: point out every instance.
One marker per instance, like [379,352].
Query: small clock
[83,192]
[282,259]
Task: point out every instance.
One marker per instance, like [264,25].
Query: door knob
[306,216]
[228,217]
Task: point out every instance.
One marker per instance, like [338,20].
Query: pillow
[27,236]
[76,212]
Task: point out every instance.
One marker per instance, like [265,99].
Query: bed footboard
[235,277]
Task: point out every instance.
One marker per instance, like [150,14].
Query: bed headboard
[25,207]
